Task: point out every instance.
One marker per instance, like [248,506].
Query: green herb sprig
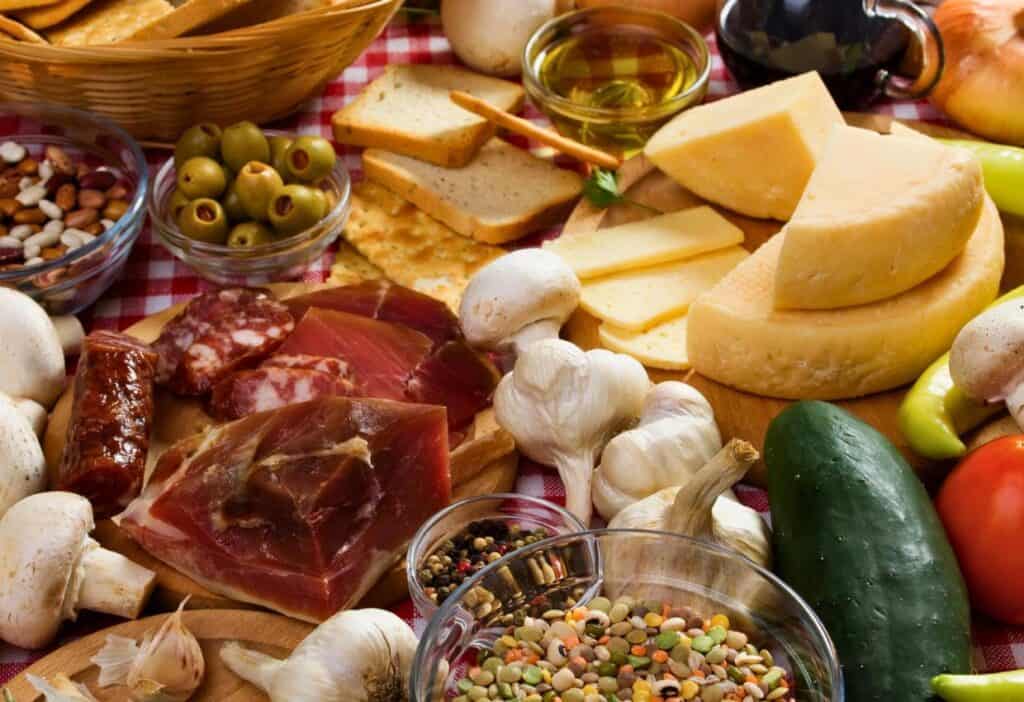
[602,190]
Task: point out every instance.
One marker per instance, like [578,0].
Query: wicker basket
[157,89]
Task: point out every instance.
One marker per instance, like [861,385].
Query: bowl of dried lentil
[462,539]
[73,189]
[626,615]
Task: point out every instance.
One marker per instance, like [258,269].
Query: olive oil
[631,71]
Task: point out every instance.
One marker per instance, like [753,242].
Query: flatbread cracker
[412,248]
[187,17]
[50,15]
[266,11]
[8,5]
[109,21]
[351,267]
[16,30]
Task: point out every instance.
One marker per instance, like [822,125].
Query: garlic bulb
[60,689]
[361,655]
[676,436]
[167,666]
[562,405]
[697,508]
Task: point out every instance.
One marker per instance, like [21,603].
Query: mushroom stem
[34,412]
[70,333]
[1015,403]
[542,329]
[112,584]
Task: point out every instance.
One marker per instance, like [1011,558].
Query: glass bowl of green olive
[243,206]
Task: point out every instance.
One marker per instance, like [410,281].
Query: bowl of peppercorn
[467,536]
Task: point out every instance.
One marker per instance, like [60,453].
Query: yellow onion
[697,13]
[983,85]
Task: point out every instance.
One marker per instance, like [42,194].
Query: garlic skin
[676,436]
[167,666]
[61,688]
[359,655]
[562,405]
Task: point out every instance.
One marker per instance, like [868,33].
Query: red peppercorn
[463,566]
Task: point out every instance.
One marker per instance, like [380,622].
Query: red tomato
[982,506]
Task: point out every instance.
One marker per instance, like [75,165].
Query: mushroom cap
[31,356]
[22,464]
[515,291]
[987,358]
[42,540]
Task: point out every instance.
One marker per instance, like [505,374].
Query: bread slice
[501,195]
[407,110]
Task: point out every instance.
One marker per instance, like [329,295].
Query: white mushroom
[562,405]
[70,332]
[22,464]
[34,412]
[52,570]
[518,299]
[987,359]
[31,355]
[676,436]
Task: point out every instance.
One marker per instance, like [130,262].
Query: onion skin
[983,85]
[700,14]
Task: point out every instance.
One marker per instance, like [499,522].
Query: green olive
[198,140]
[256,184]
[310,158]
[249,234]
[204,220]
[278,148]
[177,203]
[241,143]
[201,176]
[294,209]
[233,205]
[322,197]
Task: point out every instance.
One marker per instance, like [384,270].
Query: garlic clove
[60,689]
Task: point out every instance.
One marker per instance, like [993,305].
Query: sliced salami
[272,387]
[331,366]
[108,436]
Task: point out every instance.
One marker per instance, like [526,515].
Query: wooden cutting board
[271,633]
[740,414]
[485,462]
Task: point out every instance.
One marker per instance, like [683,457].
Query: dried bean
[32,215]
[97,180]
[60,160]
[28,167]
[115,209]
[94,199]
[66,196]
[54,252]
[80,219]
[9,242]
[118,192]
[31,195]
[8,206]
[50,209]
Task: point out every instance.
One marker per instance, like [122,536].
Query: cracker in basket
[16,30]
[187,17]
[265,11]
[7,5]
[109,21]
[412,248]
[50,15]
[350,267]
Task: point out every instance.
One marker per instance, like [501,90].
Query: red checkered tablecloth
[154,280]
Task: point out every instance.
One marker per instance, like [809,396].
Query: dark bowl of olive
[243,206]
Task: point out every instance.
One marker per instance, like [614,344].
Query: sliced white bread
[407,110]
[501,195]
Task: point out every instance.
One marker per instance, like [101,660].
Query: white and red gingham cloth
[153,280]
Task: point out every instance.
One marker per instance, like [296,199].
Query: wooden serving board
[739,414]
[271,633]
[485,462]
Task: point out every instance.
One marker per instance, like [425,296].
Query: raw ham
[281,381]
[301,509]
[108,436]
[457,377]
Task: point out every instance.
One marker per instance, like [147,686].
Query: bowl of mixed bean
[72,203]
[625,616]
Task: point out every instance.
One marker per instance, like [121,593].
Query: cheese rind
[880,215]
[738,338]
[753,152]
[668,237]
[639,299]
[662,346]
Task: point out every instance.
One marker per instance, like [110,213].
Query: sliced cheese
[753,152]
[667,237]
[880,215]
[737,337]
[662,346]
[639,299]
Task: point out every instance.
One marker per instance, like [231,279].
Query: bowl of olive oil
[610,77]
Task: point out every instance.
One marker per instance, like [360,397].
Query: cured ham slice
[457,377]
[301,509]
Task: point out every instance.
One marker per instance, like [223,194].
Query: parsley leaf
[602,190]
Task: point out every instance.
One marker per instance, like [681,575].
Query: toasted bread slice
[186,17]
[501,195]
[407,111]
[108,22]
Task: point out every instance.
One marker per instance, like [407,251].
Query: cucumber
[856,534]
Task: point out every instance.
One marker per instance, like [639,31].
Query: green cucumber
[856,534]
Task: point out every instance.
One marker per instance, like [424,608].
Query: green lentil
[601,604]
[680,653]
[736,675]
[505,690]
[715,655]
[482,677]
[477,693]
[573,694]
[717,634]
[607,669]
[639,661]
[618,612]
[702,644]
[510,674]
[465,685]
[532,675]
[492,664]
[637,636]
[772,678]
[667,640]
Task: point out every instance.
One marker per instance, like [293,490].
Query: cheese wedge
[662,346]
[737,337]
[639,299]
[880,215]
[753,152]
[667,237]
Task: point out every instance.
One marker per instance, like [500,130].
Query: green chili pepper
[935,412]
[1004,172]
[996,687]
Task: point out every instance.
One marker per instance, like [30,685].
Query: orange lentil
[668,676]
[697,673]
[665,609]
[627,668]
[638,650]
[751,679]
[659,656]
[580,613]
[571,641]
[604,639]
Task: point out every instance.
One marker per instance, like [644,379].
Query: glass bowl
[646,565]
[528,513]
[71,283]
[279,260]
[625,128]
